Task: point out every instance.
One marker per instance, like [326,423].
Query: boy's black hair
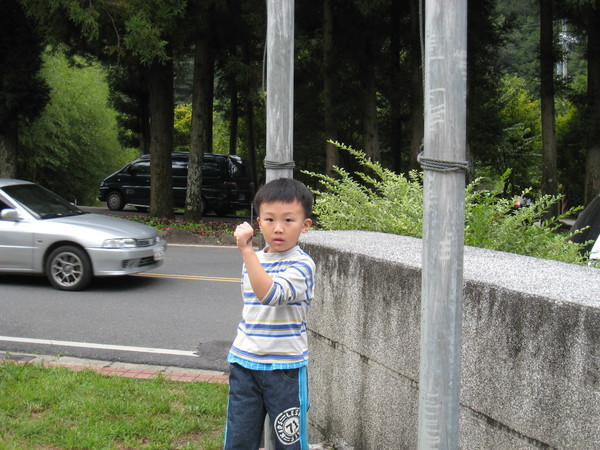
[285,190]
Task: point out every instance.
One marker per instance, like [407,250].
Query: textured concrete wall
[530,367]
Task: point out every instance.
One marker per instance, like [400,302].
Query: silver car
[41,233]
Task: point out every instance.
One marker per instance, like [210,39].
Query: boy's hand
[243,234]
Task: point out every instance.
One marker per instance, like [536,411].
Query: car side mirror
[11,215]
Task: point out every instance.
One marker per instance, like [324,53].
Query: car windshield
[40,202]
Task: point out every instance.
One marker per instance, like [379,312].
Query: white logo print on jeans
[287,426]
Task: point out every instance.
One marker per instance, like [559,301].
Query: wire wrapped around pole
[441,165]
[279,164]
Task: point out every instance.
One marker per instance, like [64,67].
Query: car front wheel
[115,201]
[68,268]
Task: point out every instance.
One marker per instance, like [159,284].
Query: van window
[236,169]
[179,168]
[210,168]
[140,168]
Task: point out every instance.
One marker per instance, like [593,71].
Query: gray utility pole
[443,222]
[279,161]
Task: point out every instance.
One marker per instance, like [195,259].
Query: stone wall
[530,368]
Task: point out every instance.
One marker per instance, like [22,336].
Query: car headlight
[119,243]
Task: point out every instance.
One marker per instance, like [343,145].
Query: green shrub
[385,201]
[378,199]
[74,143]
[492,222]
[207,228]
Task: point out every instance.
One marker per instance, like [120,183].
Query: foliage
[391,203]
[503,37]
[183,127]
[485,37]
[23,92]
[209,228]
[73,145]
[522,40]
[571,127]
[519,149]
[59,408]
[491,221]
[383,201]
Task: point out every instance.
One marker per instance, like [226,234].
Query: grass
[50,408]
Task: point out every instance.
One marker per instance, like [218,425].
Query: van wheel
[68,268]
[115,201]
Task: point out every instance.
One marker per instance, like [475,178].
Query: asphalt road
[184,313]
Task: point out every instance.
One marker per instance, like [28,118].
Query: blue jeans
[283,394]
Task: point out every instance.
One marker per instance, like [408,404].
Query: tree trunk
[143,101]
[416,86]
[250,141]
[592,164]
[233,116]
[160,88]
[369,98]
[396,97]
[331,151]
[202,122]
[250,86]
[549,174]
[145,133]
[8,149]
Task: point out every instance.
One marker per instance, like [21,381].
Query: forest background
[85,86]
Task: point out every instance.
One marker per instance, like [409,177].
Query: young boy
[270,353]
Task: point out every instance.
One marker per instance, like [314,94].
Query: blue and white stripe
[272,334]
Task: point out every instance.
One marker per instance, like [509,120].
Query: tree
[519,147]
[416,83]
[485,36]
[204,39]
[151,28]
[584,16]
[133,32]
[161,103]
[23,92]
[547,62]
[201,133]
[129,97]
[73,145]
[592,166]
[329,80]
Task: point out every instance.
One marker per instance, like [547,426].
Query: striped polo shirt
[272,332]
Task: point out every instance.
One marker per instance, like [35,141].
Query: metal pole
[443,222]
[280,89]
[279,160]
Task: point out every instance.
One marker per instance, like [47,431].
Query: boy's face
[281,224]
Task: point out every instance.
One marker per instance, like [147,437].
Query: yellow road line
[188,277]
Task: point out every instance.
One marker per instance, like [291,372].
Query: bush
[492,222]
[73,145]
[386,202]
[209,228]
[391,203]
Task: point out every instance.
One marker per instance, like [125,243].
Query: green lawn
[56,408]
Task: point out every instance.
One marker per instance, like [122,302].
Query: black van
[226,183]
